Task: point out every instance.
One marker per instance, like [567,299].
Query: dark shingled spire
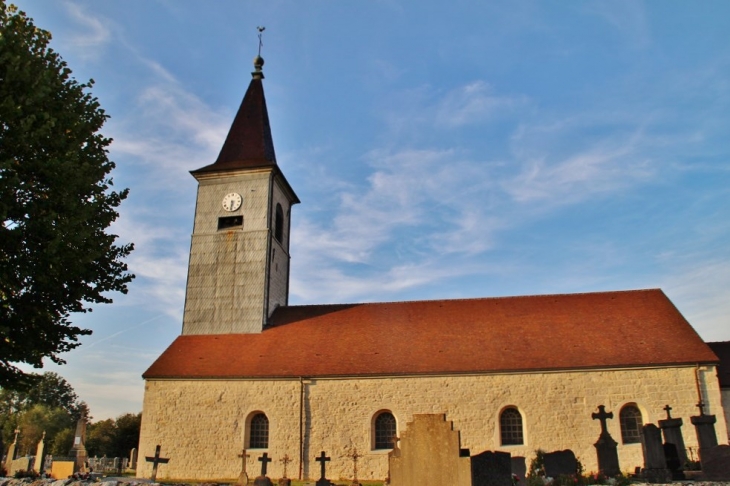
[249,143]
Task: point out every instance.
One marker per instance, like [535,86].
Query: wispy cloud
[94,34]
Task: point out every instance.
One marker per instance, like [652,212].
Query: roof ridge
[461,299]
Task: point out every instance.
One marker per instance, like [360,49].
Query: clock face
[232,201]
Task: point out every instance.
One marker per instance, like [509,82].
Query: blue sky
[440,150]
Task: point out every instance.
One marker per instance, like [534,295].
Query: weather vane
[261,43]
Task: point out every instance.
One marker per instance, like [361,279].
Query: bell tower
[239,254]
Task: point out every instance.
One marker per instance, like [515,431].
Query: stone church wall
[202,424]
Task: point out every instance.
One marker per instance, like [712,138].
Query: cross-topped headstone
[285,460]
[354,456]
[243,457]
[701,406]
[668,409]
[606,447]
[264,460]
[156,460]
[602,415]
[322,460]
[243,477]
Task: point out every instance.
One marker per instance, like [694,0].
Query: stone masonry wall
[226,275]
[279,259]
[202,425]
[726,406]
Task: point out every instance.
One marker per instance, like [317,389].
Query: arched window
[631,424]
[510,427]
[384,430]
[258,432]
[279,223]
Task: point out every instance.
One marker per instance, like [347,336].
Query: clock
[232,201]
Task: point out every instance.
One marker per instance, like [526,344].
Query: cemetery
[428,452]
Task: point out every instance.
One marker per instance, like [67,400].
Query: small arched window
[258,432]
[279,223]
[384,430]
[510,427]
[631,424]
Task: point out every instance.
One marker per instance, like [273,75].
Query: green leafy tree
[51,406]
[114,438]
[37,420]
[55,202]
[63,442]
[128,426]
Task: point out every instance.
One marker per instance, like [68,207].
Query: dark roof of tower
[249,143]
[600,330]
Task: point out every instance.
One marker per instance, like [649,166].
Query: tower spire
[249,143]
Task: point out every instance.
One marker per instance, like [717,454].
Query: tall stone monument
[38,463]
[429,454]
[78,451]
[11,452]
[655,462]
[672,431]
[705,428]
[606,447]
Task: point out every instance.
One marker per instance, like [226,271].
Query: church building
[513,374]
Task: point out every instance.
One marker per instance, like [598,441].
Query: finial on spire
[258,61]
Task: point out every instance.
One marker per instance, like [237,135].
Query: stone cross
[243,457]
[156,460]
[602,415]
[322,460]
[285,460]
[668,409]
[354,456]
[701,406]
[264,460]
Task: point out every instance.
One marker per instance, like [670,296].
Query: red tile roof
[546,332]
[722,350]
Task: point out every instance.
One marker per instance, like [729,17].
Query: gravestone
[354,456]
[262,479]
[705,429]
[38,463]
[156,461]
[655,462]
[62,470]
[429,454]
[323,460]
[243,477]
[672,431]
[519,468]
[78,451]
[11,452]
[673,464]
[285,481]
[133,458]
[716,463]
[19,464]
[606,447]
[491,469]
[560,463]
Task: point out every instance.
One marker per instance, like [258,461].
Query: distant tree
[38,419]
[51,406]
[100,438]
[56,202]
[49,389]
[114,438]
[63,442]
[128,426]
